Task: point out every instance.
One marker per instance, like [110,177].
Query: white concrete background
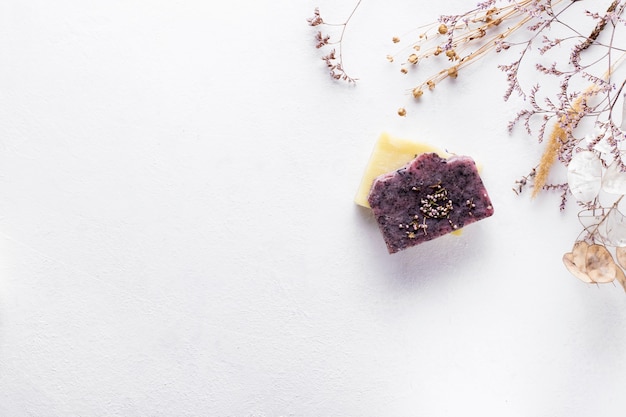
[178,236]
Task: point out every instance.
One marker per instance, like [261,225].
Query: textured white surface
[178,236]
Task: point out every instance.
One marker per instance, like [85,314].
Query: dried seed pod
[623,126]
[615,228]
[568,261]
[614,180]
[594,220]
[584,176]
[599,264]
[620,254]
[580,253]
[575,261]
[451,54]
[620,276]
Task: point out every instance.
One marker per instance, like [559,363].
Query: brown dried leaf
[600,265]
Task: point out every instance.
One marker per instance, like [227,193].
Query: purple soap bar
[427,198]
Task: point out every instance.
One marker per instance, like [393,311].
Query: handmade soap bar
[389,154]
[427,198]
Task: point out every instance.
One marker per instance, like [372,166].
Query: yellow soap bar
[390,153]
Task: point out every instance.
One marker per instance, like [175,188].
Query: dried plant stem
[333,60]
[470,36]
[557,139]
[599,27]
[462,41]
[559,135]
[343,30]
[473,56]
[605,215]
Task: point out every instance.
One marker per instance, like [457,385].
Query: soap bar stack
[389,154]
[427,198]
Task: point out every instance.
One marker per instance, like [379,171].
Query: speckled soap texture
[428,198]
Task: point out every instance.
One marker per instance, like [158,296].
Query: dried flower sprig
[334,58]
[459,40]
[579,50]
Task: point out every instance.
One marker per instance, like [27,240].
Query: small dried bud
[438,51]
[417,47]
[389,58]
[413,58]
[404,70]
[451,54]
[417,92]
[430,84]
[395,39]
[402,112]
[443,29]
[316,19]
[453,72]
